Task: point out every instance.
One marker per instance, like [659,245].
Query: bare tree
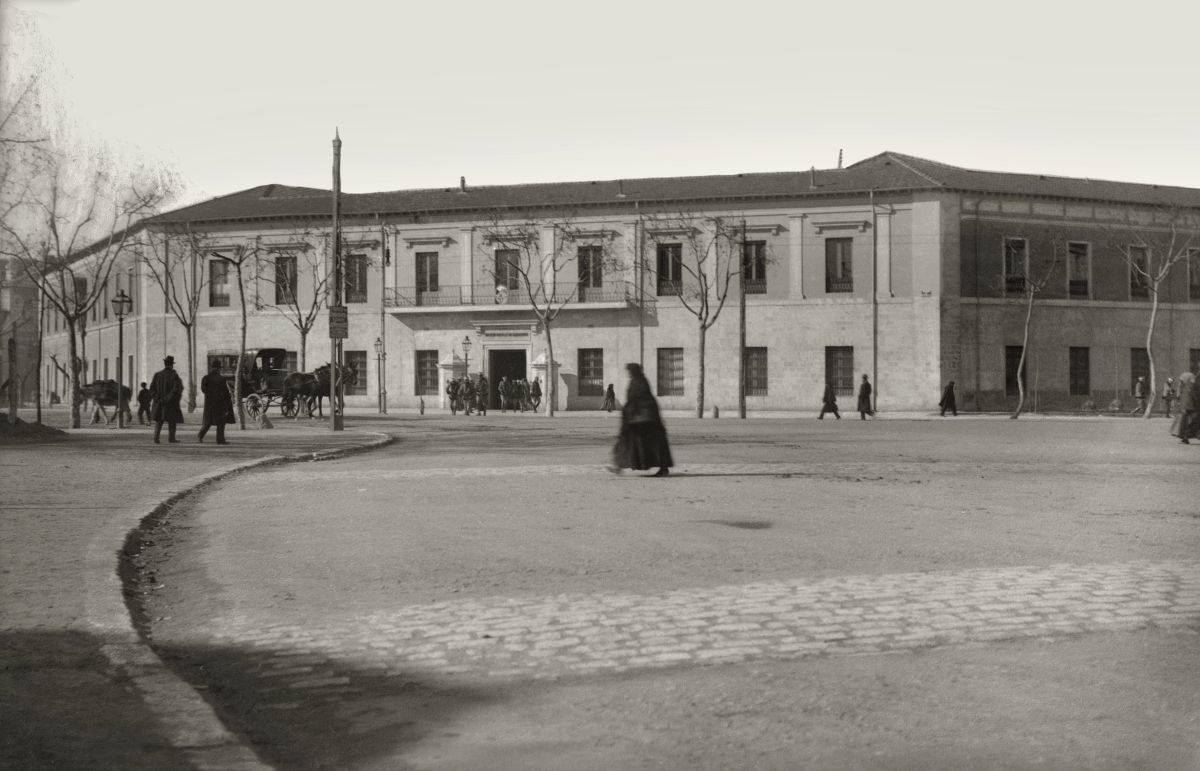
[285,269]
[530,262]
[175,261]
[1033,278]
[697,259]
[243,258]
[71,225]
[1151,250]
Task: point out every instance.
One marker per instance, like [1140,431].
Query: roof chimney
[839,157]
[462,184]
[812,178]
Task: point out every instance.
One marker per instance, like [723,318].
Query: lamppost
[466,344]
[121,305]
[380,358]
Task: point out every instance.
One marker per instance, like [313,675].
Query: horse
[103,393]
[313,387]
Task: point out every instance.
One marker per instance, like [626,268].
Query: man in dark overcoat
[829,403]
[948,402]
[1187,406]
[166,388]
[218,403]
[864,399]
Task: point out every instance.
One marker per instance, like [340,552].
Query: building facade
[912,272]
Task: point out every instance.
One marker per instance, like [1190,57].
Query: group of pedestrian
[160,402]
[519,395]
[829,401]
[468,394]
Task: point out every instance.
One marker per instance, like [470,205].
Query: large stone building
[908,270]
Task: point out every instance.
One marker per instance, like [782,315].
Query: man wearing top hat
[167,389]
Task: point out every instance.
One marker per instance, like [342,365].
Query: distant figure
[610,399]
[642,442]
[535,393]
[505,390]
[218,403]
[54,398]
[1188,419]
[484,394]
[1168,395]
[1139,393]
[452,389]
[948,402]
[144,399]
[864,399]
[167,389]
[468,394]
[829,403]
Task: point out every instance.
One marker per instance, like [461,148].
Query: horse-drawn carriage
[264,372]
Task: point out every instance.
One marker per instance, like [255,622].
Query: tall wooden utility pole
[337,311]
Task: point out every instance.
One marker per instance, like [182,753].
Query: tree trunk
[72,354]
[237,378]
[1021,363]
[700,378]
[1150,350]
[191,359]
[303,349]
[550,374]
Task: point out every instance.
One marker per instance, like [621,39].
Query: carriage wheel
[289,408]
[253,406]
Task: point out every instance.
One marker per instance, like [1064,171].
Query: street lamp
[380,357]
[122,305]
[466,344]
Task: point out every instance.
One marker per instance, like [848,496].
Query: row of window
[1079,269]
[101,309]
[1079,368]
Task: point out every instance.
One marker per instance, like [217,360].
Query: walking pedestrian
[642,441]
[535,393]
[948,402]
[504,388]
[218,403]
[144,399]
[452,389]
[829,403]
[610,399]
[484,394]
[1187,418]
[166,389]
[468,394]
[1168,395]
[1139,393]
[864,399]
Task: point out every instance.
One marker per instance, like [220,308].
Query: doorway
[501,364]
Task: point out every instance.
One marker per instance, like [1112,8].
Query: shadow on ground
[52,686]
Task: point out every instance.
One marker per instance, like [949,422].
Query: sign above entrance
[505,330]
[339,323]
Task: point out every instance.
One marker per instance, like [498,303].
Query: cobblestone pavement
[563,635]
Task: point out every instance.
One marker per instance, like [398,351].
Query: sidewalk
[79,687]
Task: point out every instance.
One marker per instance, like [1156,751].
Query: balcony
[1014,285]
[1078,289]
[756,285]
[833,285]
[452,297]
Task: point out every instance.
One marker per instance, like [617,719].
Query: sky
[236,94]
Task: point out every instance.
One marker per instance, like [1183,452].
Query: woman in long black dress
[642,443]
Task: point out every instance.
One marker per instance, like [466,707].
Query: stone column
[796,254]
[466,267]
[883,254]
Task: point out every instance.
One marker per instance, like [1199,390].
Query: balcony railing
[489,295]
[756,286]
[839,285]
[669,288]
[1078,288]
[1014,284]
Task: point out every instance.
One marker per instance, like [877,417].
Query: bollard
[422,405]
[716,412]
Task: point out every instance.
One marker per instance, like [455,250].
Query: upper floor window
[285,279]
[356,278]
[754,266]
[508,274]
[591,269]
[1079,269]
[1139,272]
[839,259]
[670,269]
[1016,260]
[1193,271]
[218,283]
[427,271]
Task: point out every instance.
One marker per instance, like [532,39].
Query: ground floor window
[1012,361]
[755,363]
[358,361]
[670,372]
[425,373]
[591,371]
[1079,361]
[839,369]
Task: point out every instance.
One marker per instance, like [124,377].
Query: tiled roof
[886,172]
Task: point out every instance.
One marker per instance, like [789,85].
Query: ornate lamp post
[122,305]
[380,358]
[466,344]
